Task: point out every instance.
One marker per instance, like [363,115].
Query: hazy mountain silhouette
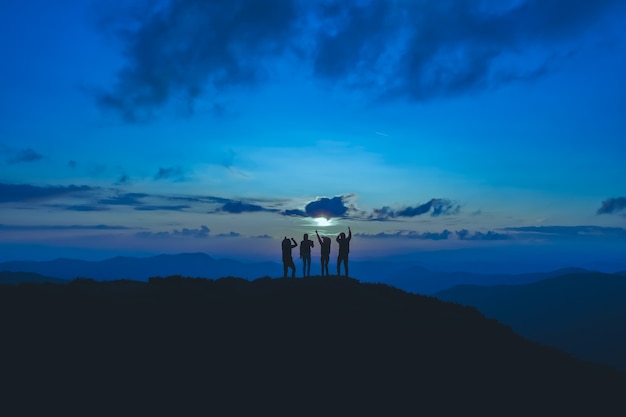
[9,277]
[584,314]
[187,264]
[233,347]
[423,281]
[404,275]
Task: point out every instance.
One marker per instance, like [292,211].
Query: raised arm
[349,234]
[294,243]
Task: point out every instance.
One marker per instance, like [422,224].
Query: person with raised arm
[325,252]
[344,250]
[288,245]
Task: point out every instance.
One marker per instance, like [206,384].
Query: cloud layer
[612,205]
[187,49]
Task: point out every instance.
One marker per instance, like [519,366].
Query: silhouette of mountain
[187,264]
[233,347]
[423,281]
[584,314]
[9,277]
[404,275]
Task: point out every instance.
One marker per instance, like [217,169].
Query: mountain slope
[423,281]
[187,264]
[9,277]
[180,346]
[585,314]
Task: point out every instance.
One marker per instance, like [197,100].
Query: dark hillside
[233,347]
[584,314]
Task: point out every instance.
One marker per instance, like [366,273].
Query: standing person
[325,251]
[344,250]
[288,245]
[305,255]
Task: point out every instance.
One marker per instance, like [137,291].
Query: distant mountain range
[279,347]
[140,269]
[404,275]
[582,313]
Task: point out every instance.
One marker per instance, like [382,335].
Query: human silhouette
[288,245]
[325,251]
[344,250]
[305,255]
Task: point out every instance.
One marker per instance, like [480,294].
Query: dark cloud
[63,227]
[582,232]
[129,199]
[25,155]
[294,213]
[612,205]
[85,207]
[241,207]
[201,233]
[185,49]
[174,173]
[324,207]
[229,234]
[327,207]
[122,180]
[436,207]
[265,236]
[162,208]
[443,235]
[490,235]
[25,192]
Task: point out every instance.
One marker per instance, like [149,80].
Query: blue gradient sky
[143,127]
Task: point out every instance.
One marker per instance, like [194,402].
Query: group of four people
[305,253]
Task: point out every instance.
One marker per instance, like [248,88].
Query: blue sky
[144,127]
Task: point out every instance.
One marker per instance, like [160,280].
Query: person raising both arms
[344,250]
[325,252]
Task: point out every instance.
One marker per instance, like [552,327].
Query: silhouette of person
[325,251]
[305,255]
[288,245]
[344,250]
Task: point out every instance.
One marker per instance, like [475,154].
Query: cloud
[162,208]
[241,207]
[62,227]
[25,155]
[490,235]
[201,233]
[85,207]
[229,234]
[329,208]
[294,213]
[265,236]
[122,180]
[436,207]
[128,199]
[188,49]
[443,235]
[25,192]
[612,205]
[200,47]
[569,232]
[174,173]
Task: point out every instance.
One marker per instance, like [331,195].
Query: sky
[142,127]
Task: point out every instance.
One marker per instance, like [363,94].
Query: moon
[322,221]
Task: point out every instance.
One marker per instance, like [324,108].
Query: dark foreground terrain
[234,347]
